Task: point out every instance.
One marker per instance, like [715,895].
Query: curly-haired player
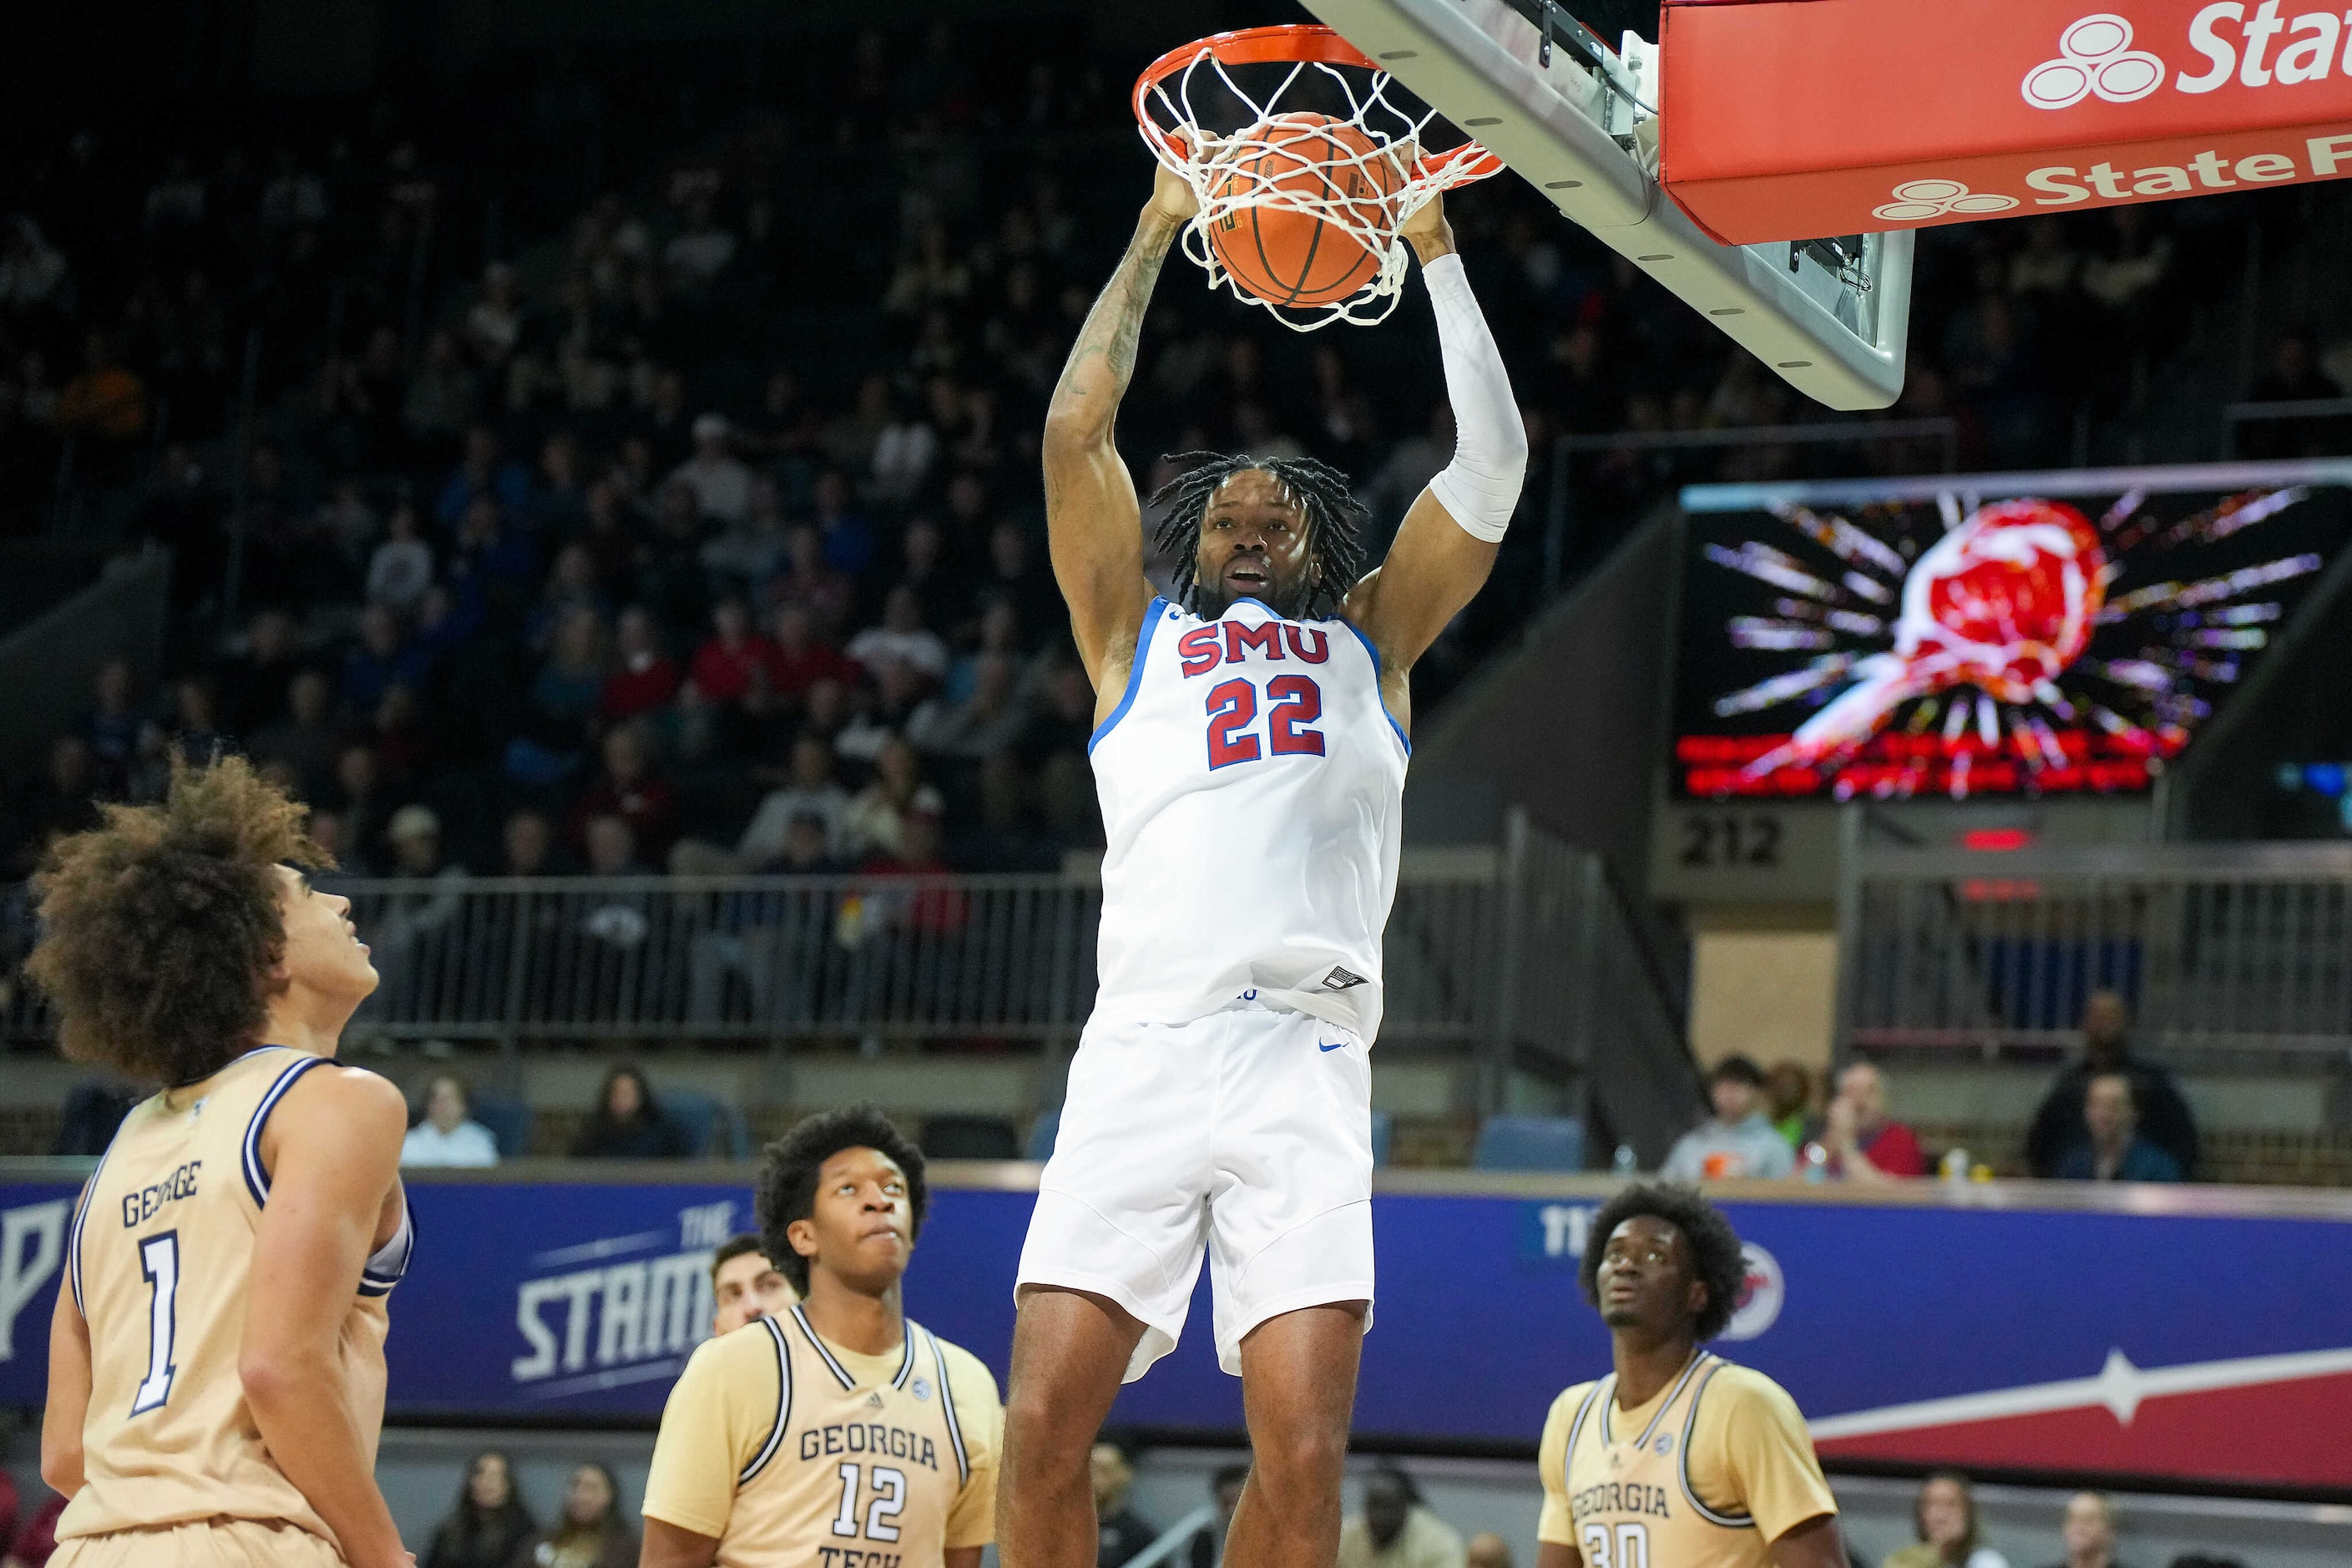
[836,1432]
[195,1413]
[1677,1456]
[1250,754]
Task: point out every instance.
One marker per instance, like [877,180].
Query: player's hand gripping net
[1326,136]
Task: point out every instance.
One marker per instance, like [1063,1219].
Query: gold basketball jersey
[160,1260]
[1709,1474]
[796,1454]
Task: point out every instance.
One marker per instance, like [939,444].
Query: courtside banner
[1797,119]
[2208,1341]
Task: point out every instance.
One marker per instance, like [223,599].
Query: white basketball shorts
[1245,1134]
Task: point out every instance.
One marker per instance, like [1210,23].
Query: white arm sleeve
[1480,489]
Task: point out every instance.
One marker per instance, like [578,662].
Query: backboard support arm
[1835,327]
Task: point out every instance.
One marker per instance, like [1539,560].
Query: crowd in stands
[491,1526]
[631,486]
[2109,1116]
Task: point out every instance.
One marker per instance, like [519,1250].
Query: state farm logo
[2239,42]
[2094,56]
[1917,201]
[1761,1292]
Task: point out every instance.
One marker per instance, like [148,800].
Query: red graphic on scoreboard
[1963,647]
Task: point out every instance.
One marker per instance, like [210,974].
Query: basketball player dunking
[1250,755]
[1677,1456]
[216,1370]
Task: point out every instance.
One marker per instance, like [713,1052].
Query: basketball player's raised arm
[332,1151]
[1447,542]
[1093,522]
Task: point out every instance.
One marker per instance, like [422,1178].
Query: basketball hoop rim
[1293,43]
[1285,43]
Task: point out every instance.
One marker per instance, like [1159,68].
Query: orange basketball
[1291,258]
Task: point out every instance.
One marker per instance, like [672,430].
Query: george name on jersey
[144,1205]
[1619,1497]
[1203,649]
[869,1437]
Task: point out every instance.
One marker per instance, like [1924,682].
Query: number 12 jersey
[795,1453]
[1252,786]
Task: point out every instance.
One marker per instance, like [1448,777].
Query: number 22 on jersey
[1293,703]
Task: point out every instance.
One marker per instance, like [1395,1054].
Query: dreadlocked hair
[1335,546]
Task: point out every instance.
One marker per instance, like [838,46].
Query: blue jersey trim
[818,1345]
[1134,673]
[783,1402]
[256,1177]
[1402,739]
[388,1264]
[1576,1434]
[82,1210]
[946,1404]
[1682,1463]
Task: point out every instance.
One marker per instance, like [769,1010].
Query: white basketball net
[1259,166]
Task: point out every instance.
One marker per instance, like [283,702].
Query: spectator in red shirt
[798,658]
[932,908]
[735,659]
[1865,1143]
[643,676]
[628,788]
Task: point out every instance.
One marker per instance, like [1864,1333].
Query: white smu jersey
[1252,787]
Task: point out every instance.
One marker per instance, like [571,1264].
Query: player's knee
[1039,1433]
[1299,1468]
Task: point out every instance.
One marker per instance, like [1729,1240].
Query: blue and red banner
[2209,1341]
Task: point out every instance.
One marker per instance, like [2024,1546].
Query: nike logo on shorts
[1335,1046]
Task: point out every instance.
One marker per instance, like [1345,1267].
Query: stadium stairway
[64,610]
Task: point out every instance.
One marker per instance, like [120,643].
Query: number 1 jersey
[1252,786]
[160,1262]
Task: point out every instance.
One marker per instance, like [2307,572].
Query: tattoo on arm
[1103,359]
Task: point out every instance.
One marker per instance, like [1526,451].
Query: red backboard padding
[1795,119]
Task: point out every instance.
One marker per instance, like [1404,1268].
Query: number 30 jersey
[1709,1474]
[160,1262]
[1252,786]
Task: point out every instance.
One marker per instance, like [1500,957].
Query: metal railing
[2236,417]
[1517,960]
[1577,998]
[2239,949]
